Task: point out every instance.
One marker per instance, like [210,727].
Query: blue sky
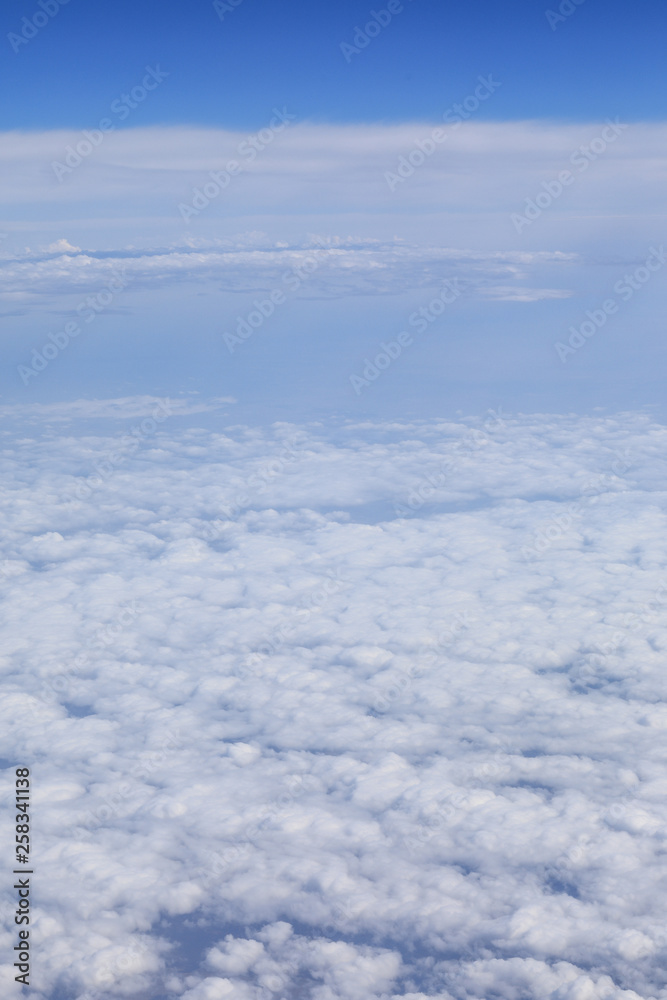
[603,57]
[321,121]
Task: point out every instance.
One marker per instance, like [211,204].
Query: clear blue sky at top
[605,58]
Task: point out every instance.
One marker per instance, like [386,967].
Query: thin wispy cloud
[322,266]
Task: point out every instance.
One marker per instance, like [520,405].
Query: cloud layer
[136,180]
[319,267]
[370,713]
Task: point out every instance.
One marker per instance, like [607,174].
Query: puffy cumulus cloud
[283,961]
[318,267]
[214,988]
[369,713]
[559,981]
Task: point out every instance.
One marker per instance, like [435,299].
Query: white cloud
[314,186]
[135,180]
[350,754]
[170,159]
[322,266]
[505,293]
[214,988]
[129,407]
